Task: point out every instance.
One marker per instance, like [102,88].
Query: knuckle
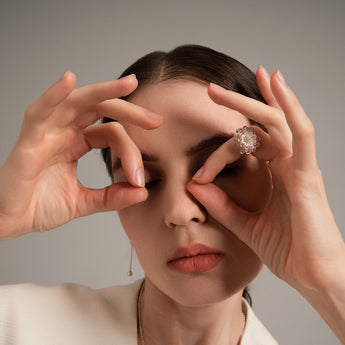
[273,118]
[308,130]
[271,122]
[114,127]
[117,135]
[30,110]
[133,151]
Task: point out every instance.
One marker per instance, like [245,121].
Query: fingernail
[158,119]
[128,76]
[217,87]
[198,173]
[281,78]
[265,71]
[140,177]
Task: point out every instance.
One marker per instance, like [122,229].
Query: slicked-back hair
[193,62]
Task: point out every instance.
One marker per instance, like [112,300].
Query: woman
[209,217]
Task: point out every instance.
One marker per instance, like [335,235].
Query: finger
[223,209]
[225,154]
[263,81]
[267,151]
[272,118]
[116,109]
[40,109]
[228,153]
[124,111]
[113,135]
[303,142]
[96,93]
[113,197]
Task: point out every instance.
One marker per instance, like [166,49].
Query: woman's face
[193,127]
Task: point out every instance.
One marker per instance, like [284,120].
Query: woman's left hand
[295,235]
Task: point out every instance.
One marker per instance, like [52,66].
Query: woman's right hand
[39,188]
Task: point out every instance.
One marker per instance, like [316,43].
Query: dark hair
[194,62]
[190,61]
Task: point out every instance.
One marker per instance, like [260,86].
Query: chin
[202,289]
[205,292]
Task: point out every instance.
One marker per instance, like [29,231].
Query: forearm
[330,304]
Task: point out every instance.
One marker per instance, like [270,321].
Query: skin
[295,235]
[39,188]
[284,221]
[171,217]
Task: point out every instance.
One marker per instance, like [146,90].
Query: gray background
[39,40]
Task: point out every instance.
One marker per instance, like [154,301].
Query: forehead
[189,115]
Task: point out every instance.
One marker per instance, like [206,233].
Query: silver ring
[247,140]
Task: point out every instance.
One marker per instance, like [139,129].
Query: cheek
[145,236]
[129,218]
[134,229]
[140,225]
[251,187]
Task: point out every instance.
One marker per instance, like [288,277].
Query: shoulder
[70,309]
[65,295]
[255,333]
[60,297]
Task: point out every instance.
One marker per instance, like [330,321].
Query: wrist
[329,301]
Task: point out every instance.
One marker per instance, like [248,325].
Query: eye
[151,184]
[228,170]
[231,169]
[153,176]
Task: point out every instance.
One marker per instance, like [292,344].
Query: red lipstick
[194,258]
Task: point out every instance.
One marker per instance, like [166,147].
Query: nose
[181,208]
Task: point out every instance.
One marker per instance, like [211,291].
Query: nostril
[181,211]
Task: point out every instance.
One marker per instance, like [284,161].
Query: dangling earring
[130,272]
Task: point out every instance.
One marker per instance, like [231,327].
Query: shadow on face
[193,127]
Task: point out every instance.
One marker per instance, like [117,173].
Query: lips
[194,258]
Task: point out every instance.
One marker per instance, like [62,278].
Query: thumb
[223,209]
[110,198]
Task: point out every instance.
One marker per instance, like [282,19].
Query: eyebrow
[214,141]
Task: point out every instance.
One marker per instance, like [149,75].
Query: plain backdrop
[40,39]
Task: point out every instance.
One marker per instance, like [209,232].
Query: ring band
[247,140]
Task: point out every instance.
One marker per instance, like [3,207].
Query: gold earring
[130,272]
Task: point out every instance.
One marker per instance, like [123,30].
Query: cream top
[74,314]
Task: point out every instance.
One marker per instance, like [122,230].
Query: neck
[164,321]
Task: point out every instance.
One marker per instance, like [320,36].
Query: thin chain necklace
[139,313]
[142,342]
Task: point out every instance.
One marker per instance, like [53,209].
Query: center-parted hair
[194,62]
